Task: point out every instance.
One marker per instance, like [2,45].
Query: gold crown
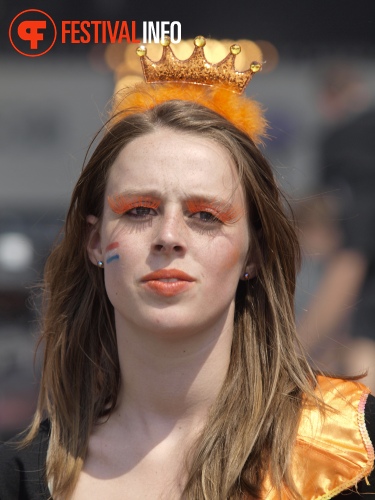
[196,69]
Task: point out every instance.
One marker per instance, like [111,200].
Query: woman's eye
[206,217]
[140,212]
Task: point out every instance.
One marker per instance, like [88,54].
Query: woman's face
[174,235]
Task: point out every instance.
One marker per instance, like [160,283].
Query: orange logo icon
[32,33]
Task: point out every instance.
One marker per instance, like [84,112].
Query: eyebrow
[203,198]
[138,193]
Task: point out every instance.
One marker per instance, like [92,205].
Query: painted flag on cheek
[112,252]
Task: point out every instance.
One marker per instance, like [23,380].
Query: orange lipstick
[168,282]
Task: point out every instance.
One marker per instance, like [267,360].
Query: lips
[167,274]
[167,282]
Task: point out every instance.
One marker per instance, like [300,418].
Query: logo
[32,33]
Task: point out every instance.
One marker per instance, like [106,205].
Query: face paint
[111,252]
[222,211]
[122,203]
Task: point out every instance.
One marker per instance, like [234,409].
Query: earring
[100,263]
[246,276]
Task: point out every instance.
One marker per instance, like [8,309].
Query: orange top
[333,451]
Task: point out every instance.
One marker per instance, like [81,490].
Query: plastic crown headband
[196,69]
[216,86]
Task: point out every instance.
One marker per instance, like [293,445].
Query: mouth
[168,282]
[167,275]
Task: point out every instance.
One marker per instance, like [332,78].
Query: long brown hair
[252,426]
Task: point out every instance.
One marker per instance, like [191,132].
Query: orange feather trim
[245,114]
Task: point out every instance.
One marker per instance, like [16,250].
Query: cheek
[233,258]
[117,270]
[232,253]
[121,256]
[228,258]
[116,245]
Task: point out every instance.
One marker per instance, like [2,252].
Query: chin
[173,327]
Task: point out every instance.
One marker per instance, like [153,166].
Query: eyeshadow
[121,203]
[223,211]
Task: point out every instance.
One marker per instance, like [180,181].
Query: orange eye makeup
[222,211]
[122,203]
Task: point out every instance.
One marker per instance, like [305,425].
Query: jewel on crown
[196,69]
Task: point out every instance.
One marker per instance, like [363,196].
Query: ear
[94,247]
[250,270]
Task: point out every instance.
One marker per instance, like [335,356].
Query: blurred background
[318,88]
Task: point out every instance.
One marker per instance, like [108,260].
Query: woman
[171,368]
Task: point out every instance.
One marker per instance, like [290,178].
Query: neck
[174,378]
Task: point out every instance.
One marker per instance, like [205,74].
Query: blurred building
[49,112]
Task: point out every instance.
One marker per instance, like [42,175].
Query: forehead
[173,161]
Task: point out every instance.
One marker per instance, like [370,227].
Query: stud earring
[246,276]
[100,263]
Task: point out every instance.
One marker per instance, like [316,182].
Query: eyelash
[213,217]
[137,215]
[218,216]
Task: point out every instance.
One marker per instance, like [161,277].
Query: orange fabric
[333,451]
[244,113]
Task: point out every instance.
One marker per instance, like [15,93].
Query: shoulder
[335,445]
[22,468]
[365,486]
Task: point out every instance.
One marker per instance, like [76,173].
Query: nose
[170,236]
